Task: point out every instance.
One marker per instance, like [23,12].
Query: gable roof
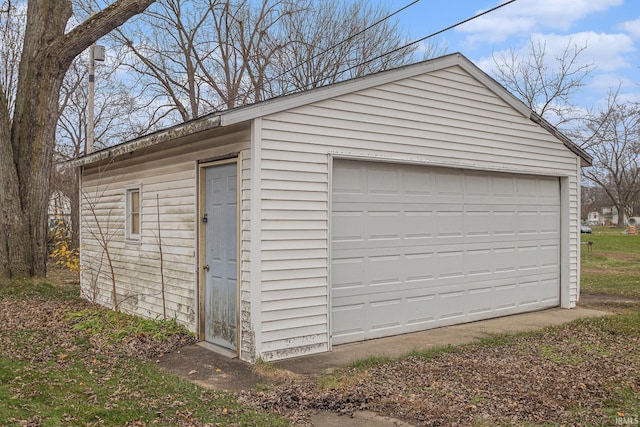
[285,102]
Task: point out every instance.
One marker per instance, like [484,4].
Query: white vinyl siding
[443,118]
[168,206]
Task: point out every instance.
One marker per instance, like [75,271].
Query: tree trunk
[13,229]
[621,215]
[33,131]
[26,153]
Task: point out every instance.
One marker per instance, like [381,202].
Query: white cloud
[632,28]
[606,51]
[527,16]
[605,81]
[602,84]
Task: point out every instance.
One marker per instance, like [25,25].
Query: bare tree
[103,234]
[545,84]
[218,54]
[339,40]
[204,55]
[118,116]
[28,124]
[614,143]
[160,49]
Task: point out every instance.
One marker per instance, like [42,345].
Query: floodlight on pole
[96,53]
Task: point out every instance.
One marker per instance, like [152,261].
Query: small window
[133,214]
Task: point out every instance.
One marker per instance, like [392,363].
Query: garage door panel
[412,310]
[506,281]
[418,224]
[448,183]
[348,180]
[382,181]
[418,183]
[477,186]
[426,245]
[435,246]
[549,255]
[442,265]
[384,220]
[384,224]
[348,226]
[348,272]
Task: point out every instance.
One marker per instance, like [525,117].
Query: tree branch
[96,26]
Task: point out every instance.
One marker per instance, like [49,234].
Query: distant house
[409,199]
[595,218]
[59,210]
[610,215]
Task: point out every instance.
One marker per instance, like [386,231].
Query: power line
[458,24]
[353,36]
[426,37]
[287,71]
[450,27]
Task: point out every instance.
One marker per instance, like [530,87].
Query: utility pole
[96,53]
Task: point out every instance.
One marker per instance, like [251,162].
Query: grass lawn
[65,362]
[612,265]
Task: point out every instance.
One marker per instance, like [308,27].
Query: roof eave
[287,102]
[181,130]
[586,159]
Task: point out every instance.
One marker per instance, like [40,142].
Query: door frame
[201,247]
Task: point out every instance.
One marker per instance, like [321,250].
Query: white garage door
[417,247]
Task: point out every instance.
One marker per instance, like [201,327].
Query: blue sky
[609,28]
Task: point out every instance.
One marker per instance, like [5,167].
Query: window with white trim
[133,220]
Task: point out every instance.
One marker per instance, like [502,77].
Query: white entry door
[417,247]
[220,224]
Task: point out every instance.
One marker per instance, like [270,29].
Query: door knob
[206,267]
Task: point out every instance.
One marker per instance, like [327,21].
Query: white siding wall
[443,118]
[247,333]
[168,177]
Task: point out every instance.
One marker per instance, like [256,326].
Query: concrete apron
[399,345]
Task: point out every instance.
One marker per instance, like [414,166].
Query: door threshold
[218,349]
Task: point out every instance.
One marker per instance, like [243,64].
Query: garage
[415,247]
[405,200]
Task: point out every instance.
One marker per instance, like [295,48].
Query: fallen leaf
[193,371]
